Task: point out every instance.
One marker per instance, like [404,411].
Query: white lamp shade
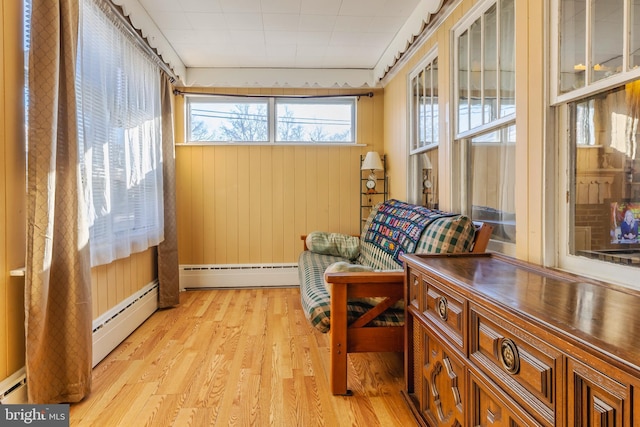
[427,162]
[372,162]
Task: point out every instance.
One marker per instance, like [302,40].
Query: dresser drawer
[526,368]
[446,309]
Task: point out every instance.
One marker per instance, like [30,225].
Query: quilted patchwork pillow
[336,244]
[447,235]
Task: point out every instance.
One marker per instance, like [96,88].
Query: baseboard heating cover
[109,330]
[13,389]
[238,275]
[114,326]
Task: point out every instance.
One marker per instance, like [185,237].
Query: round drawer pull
[509,356]
[443,308]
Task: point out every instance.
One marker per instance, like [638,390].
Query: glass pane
[634,60]
[607,32]
[492,182]
[434,100]
[425,134]
[475,78]
[507,59]
[417,97]
[490,65]
[463,84]
[228,120]
[314,121]
[605,187]
[572,48]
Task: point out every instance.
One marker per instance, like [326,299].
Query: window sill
[271,144]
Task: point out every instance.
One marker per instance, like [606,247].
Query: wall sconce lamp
[373,163]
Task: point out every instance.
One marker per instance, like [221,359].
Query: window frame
[271,104]
[590,88]
[461,142]
[566,166]
[415,144]
[464,26]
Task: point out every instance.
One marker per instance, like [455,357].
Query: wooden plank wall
[243,204]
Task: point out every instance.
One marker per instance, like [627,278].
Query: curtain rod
[116,11]
[241,95]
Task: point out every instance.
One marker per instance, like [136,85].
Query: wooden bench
[357,337]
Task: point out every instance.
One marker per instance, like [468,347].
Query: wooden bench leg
[338,341]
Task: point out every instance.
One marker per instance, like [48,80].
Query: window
[485,77]
[119,134]
[423,109]
[271,119]
[598,102]
[604,184]
[228,119]
[597,44]
[424,115]
[489,188]
[485,118]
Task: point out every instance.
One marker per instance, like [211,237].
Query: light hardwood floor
[238,357]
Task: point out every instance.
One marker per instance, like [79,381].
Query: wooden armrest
[365,277]
[481,239]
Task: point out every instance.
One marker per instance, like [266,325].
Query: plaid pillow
[335,244]
[447,235]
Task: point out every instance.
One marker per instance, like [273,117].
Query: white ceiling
[207,37]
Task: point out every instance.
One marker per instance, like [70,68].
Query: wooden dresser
[491,341]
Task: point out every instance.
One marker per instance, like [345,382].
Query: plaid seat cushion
[316,300]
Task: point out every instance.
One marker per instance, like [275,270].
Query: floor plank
[238,357]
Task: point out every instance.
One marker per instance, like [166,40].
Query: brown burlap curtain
[168,268]
[58,276]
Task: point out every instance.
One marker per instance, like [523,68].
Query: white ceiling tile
[203,6]
[317,22]
[240,6]
[360,7]
[171,21]
[204,21]
[280,38]
[280,33]
[162,5]
[314,38]
[320,7]
[353,24]
[251,38]
[244,21]
[281,6]
[280,21]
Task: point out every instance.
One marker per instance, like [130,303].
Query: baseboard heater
[114,326]
[109,330]
[238,275]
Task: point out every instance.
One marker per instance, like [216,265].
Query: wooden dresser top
[590,314]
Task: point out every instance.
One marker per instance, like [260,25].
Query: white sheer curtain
[120,138]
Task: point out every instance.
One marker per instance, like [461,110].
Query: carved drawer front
[487,409]
[594,399]
[441,384]
[522,365]
[415,289]
[446,309]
